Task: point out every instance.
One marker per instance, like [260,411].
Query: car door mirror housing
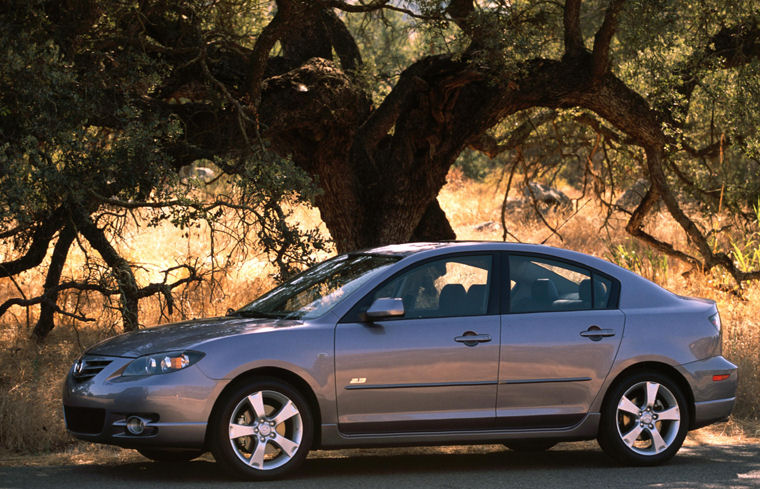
[385,307]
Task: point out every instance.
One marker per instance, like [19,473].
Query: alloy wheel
[265,429]
[648,418]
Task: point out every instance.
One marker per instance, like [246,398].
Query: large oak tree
[103,102]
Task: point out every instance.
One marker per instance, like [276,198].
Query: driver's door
[420,372]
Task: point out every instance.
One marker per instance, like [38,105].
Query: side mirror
[385,307]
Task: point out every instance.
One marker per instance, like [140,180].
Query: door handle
[471,338]
[595,333]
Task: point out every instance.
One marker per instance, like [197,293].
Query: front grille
[87,368]
[84,420]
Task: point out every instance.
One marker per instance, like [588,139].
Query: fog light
[135,425]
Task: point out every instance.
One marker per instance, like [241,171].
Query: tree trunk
[48,306]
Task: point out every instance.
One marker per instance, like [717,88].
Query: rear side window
[538,284]
[602,291]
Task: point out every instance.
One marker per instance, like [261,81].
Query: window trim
[612,303]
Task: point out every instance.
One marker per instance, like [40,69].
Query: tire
[171,456]
[261,430]
[529,445]
[645,418]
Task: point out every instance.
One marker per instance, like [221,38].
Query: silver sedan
[422,343]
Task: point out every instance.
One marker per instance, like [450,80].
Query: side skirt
[586,429]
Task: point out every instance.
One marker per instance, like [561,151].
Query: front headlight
[162,363]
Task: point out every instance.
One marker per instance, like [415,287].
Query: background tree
[362,108]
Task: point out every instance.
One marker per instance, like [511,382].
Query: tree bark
[433,226]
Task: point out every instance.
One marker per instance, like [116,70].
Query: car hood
[185,335]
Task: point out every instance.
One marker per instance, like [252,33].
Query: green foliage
[746,250]
[475,165]
[51,148]
[87,135]
[639,259]
[389,43]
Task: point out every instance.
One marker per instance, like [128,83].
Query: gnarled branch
[37,250]
[491,147]
[120,267]
[264,44]
[373,7]
[572,23]
[603,38]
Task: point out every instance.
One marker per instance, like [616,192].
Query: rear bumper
[713,400]
[709,412]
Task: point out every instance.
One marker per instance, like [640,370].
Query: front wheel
[262,430]
[644,420]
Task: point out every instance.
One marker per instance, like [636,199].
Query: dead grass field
[31,374]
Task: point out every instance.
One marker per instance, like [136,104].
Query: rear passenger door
[433,369]
[560,335]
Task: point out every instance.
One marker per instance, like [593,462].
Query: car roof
[408,249]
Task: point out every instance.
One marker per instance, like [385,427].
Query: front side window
[542,285]
[453,286]
[319,289]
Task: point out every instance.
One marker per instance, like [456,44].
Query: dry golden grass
[470,205]
[31,374]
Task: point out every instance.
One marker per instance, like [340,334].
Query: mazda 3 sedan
[416,344]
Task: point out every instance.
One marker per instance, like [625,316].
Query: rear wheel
[263,430]
[644,420]
[158,455]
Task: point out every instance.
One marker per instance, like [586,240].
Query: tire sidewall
[609,437]
[220,441]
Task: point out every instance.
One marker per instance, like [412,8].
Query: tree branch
[342,41]
[459,10]
[635,229]
[36,252]
[603,38]
[13,231]
[573,35]
[491,147]
[382,119]
[264,44]
[120,267]
[15,301]
[373,7]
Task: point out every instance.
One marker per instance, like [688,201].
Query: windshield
[318,289]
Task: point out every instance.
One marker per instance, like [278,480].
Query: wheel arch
[275,373]
[663,369]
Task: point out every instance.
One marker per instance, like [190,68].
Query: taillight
[715,320]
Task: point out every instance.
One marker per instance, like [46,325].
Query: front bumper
[713,400]
[175,406]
